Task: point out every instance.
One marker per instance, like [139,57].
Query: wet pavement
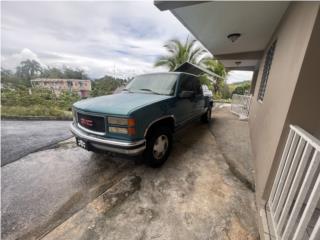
[44,188]
[19,138]
[232,134]
[69,193]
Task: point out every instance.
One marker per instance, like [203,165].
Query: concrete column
[254,81]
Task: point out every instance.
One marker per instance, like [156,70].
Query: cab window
[197,86]
[186,84]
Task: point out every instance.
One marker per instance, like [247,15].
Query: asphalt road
[43,189]
[19,138]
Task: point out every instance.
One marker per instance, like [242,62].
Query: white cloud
[11,61]
[239,76]
[122,67]
[96,36]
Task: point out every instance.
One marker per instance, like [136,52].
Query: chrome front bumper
[110,145]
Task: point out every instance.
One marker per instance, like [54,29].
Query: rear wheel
[158,146]
[206,117]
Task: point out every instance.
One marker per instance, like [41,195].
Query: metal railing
[240,105]
[294,198]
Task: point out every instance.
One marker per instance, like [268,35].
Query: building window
[266,71]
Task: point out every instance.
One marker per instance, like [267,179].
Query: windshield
[163,84]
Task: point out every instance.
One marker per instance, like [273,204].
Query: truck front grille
[93,123]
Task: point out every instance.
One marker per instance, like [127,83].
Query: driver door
[199,100]
[184,106]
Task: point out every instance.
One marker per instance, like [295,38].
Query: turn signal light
[131,131]
[131,122]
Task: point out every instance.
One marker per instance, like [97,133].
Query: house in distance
[79,86]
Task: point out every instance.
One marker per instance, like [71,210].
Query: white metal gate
[294,199]
[240,105]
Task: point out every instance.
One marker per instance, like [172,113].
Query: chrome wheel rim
[160,147]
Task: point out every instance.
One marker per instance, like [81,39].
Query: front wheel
[206,117]
[158,146]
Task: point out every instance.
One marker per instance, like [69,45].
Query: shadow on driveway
[193,196]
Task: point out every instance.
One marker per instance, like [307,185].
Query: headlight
[118,130]
[121,121]
[128,131]
[122,125]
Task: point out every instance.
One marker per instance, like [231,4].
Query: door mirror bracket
[186,94]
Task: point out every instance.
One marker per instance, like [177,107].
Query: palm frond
[161,62]
[196,54]
[180,53]
[190,45]
[165,61]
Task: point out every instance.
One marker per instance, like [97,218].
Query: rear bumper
[123,147]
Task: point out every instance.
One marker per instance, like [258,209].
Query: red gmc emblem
[86,122]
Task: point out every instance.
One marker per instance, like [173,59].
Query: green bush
[66,100]
[105,86]
[34,111]
[204,80]
[38,102]
[240,88]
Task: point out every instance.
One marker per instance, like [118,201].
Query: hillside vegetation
[240,87]
[18,99]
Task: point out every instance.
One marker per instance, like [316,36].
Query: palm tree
[217,67]
[180,53]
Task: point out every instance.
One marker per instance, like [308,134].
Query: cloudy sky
[122,38]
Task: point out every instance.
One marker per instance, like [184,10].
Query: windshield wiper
[148,90]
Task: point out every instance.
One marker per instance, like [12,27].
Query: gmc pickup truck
[143,117]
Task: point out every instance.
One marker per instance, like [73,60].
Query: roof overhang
[195,70]
[169,5]
[212,22]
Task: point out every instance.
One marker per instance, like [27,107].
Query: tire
[206,117]
[158,146]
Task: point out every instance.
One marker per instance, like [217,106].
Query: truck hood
[119,104]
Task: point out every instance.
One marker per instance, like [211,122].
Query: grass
[34,111]
[223,100]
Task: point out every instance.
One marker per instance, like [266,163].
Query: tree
[225,92]
[241,88]
[190,51]
[28,69]
[180,53]
[10,79]
[70,73]
[205,80]
[64,73]
[105,85]
[52,73]
[5,73]
[6,77]
[216,67]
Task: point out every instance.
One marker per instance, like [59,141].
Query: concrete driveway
[19,138]
[68,193]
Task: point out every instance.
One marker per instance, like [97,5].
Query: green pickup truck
[143,117]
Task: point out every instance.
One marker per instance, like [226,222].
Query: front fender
[148,115]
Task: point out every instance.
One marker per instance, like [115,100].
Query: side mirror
[186,94]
